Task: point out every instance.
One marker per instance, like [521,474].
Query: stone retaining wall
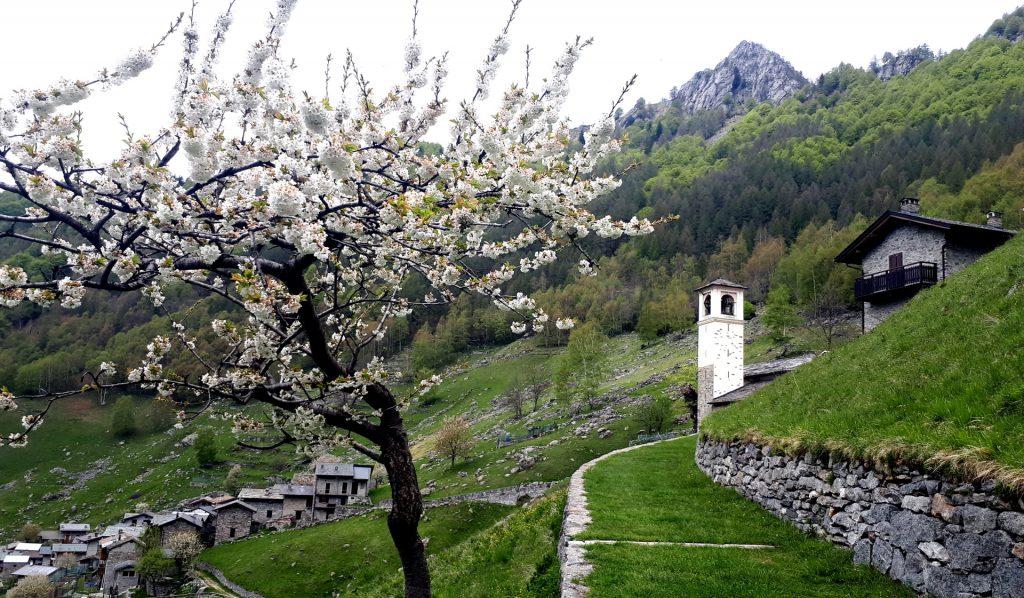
[937,536]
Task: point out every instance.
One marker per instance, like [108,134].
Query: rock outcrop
[902,62]
[750,72]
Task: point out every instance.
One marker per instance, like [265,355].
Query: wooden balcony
[892,282]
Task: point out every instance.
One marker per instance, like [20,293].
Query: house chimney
[910,205]
[995,219]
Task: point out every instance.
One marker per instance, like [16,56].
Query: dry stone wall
[946,538]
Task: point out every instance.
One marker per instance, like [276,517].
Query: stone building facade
[178,526]
[903,252]
[234,520]
[945,537]
[297,501]
[268,502]
[119,574]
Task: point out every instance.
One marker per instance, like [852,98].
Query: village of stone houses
[526,299]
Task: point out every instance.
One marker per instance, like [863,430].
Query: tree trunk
[406,510]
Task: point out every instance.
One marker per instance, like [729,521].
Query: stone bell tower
[719,342]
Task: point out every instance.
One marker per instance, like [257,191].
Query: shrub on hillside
[122,420]
[206,448]
[29,532]
[654,415]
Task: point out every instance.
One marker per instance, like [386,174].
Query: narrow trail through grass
[660,527]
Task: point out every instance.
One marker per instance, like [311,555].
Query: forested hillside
[762,193]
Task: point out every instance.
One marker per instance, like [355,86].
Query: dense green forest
[764,194]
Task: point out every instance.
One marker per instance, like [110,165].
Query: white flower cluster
[318,217]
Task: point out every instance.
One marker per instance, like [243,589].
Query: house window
[728,303]
[344,487]
[127,572]
[896,261]
[309,502]
[231,532]
[707,304]
[269,513]
[328,490]
[298,514]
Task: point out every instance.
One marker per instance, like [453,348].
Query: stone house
[13,562]
[234,520]
[903,252]
[119,574]
[298,501]
[177,522]
[339,484]
[268,502]
[138,519]
[71,532]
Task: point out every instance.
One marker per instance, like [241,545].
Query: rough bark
[406,510]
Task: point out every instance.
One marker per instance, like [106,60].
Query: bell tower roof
[721,282]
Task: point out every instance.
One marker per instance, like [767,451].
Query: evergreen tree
[205,448]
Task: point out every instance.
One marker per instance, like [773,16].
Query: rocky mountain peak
[749,72]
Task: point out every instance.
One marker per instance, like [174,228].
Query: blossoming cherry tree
[311,215]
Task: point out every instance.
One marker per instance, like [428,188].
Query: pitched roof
[121,529]
[335,469]
[29,570]
[117,543]
[259,494]
[879,229]
[720,282]
[294,489]
[75,527]
[16,558]
[28,546]
[75,547]
[234,503]
[163,519]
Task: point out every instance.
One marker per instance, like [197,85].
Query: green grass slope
[940,383]
[75,468]
[345,557]
[518,556]
[657,494]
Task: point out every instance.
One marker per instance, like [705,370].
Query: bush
[654,415]
[29,532]
[122,420]
[206,448]
[153,565]
[232,482]
[33,586]
[749,310]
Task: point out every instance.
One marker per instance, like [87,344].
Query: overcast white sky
[665,42]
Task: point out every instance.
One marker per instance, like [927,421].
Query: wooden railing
[912,275]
